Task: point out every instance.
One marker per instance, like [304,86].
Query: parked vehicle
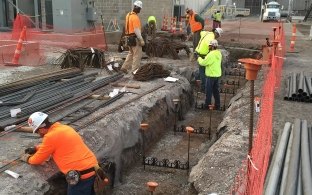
[271,12]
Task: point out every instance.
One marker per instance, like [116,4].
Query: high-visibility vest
[195,26]
[218,17]
[212,63]
[203,44]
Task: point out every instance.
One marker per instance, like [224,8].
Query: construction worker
[202,50]
[134,38]
[212,64]
[69,152]
[151,25]
[197,23]
[217,17]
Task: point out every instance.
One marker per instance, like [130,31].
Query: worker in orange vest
[69,152]
[197,24]
[134,39]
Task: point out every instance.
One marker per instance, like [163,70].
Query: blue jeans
[212,88]
[83,187]
[202,78]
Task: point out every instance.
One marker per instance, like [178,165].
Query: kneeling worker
[69,152]
[151,25]
[212,64]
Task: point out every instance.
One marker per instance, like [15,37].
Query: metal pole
[209,132]
[143,148]
[252,96]
[240,22]
[188,152]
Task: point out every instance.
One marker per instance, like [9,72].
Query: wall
[2,14]
[111,9]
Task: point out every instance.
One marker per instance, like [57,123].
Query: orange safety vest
[67,149]
[133,20]
[195,26]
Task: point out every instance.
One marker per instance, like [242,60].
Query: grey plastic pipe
[305,160]
[286,164]
[292,175]
[278,161]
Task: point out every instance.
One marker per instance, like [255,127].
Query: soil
[243,33]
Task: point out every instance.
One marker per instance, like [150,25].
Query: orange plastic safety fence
[251,177]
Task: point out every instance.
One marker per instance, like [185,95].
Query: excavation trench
[122,142]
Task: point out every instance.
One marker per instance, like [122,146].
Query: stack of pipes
[290,170]
[298,88]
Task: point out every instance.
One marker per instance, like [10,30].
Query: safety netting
[250,178]
[35,45]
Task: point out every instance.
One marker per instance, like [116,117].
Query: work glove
[142,43]
[31,150]
[25,157]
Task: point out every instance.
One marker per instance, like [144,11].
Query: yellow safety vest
[203,44]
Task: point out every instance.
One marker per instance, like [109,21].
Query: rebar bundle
[82,58]
[149,71]
[160,47]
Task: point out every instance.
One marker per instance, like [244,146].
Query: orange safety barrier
[165,23]
[174,25]
[293,38]
[250,178]
[19,46]
[181,25]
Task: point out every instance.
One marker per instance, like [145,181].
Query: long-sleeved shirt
[67,149]
[212,62]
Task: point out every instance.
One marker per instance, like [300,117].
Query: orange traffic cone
[293,40]
[19,46]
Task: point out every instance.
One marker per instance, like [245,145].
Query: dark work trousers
[216,24]
[196,38]
[83,187]
[202,77]
[212,88]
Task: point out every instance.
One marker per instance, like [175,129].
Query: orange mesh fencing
[40,43]
[251,177]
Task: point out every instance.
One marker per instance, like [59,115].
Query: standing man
[135,39]
[197,23]
[203,49]
[212,64]
[217,17]
[69,152]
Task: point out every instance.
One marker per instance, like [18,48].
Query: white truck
[271,12]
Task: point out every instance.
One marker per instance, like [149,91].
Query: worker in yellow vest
[213,71]
[203,49]
[217,17]
[197,24]
[151,26]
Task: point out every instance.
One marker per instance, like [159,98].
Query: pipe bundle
[290,170]
[298,88]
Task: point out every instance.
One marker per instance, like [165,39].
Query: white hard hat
[138,4]
[214,43]
[219,31]
[36,119]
